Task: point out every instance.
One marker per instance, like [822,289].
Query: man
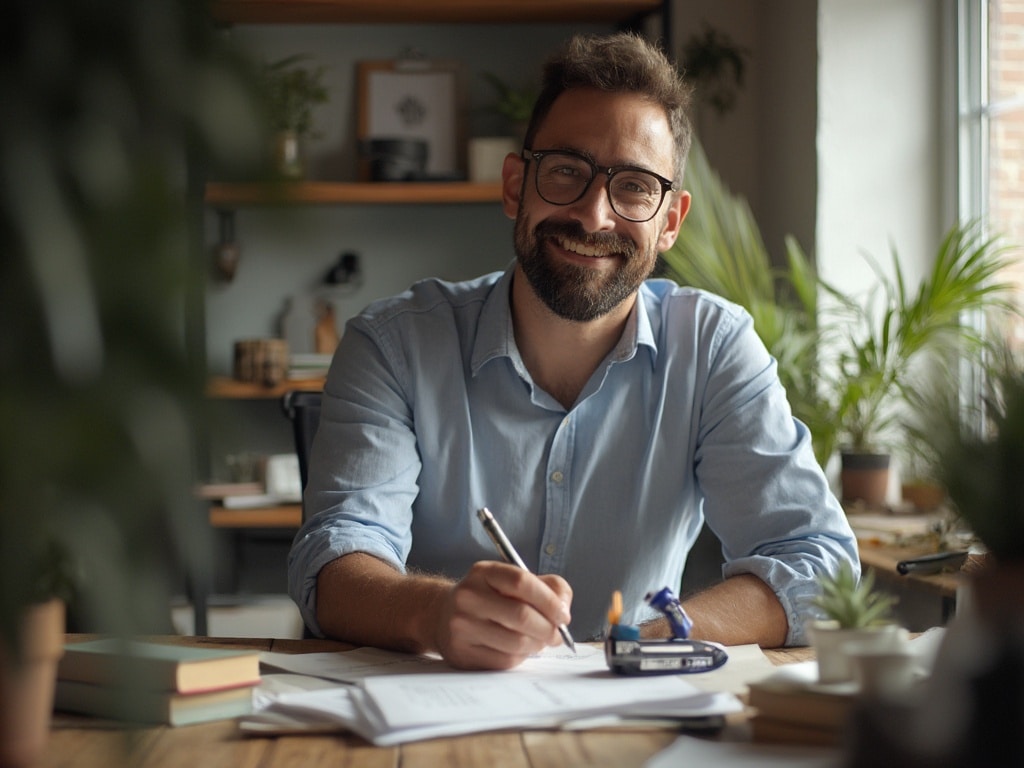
[599,415]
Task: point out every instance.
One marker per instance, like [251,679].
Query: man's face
[583,260]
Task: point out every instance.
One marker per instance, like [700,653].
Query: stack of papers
[392,698]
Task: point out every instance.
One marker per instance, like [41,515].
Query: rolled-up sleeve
[364,469]
[765,496]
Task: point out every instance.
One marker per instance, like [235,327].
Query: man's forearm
[365,601]
[740,610]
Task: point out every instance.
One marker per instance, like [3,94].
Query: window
[991,127]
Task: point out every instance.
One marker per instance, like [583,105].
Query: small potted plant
[855,612]
[513,106]
[292,90]
[892,337]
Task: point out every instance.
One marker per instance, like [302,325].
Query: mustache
[573,231]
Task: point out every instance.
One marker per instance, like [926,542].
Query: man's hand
[493,618]
[500,614]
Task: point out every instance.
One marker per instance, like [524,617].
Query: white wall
[881,136]
[765,148]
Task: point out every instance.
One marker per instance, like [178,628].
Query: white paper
[686,751]
[400,698]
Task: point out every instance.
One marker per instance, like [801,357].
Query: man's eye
[566,170]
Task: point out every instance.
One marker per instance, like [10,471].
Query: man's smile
[594,250]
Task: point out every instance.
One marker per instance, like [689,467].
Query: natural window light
[991,53]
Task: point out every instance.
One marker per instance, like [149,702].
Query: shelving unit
[226,388]
[283,516]
[430,11]
[224,195]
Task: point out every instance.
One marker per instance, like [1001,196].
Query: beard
[573,292]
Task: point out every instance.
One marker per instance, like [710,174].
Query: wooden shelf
[227,388]
[339,193]
[429,11]
[284,516]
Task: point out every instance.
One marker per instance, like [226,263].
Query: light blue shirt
[429,414]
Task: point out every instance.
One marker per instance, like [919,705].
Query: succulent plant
[854,603]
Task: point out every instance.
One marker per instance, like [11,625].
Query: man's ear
[677,210]
[512,172]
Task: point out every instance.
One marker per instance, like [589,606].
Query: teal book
[149,666]
[136,705]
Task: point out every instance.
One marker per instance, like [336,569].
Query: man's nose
[594,210]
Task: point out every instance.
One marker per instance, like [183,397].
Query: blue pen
[666,602]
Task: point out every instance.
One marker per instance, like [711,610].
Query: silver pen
[509,554]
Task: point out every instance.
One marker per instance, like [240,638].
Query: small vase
[27,684]
[290,155]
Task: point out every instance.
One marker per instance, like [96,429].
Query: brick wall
[1006,134]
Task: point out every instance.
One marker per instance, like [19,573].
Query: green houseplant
[890,341]
[291,91]
[98,391]
[857,614]
[513,105]
[848,363]
[720,249]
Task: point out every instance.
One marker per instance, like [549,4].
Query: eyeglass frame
[608,171]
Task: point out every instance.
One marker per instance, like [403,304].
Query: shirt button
[557,476]
[550,549]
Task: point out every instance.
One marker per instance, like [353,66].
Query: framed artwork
[417,100]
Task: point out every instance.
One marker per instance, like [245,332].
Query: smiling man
[600,414]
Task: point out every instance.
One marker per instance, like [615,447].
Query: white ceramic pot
[486,156]
[830,645]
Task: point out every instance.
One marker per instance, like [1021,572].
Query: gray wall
[839,138]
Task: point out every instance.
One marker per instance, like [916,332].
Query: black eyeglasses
[563,177]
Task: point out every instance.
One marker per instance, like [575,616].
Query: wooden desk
[79,742]
[882,559]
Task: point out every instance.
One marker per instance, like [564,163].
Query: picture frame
[413,99]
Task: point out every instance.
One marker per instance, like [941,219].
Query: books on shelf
[155,682]
[126,702]
[309,366]
[793,707]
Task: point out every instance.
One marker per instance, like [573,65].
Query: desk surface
[884,557]
[85,743]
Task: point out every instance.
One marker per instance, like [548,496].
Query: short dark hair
[620,63]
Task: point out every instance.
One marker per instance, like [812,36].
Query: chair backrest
[303,409]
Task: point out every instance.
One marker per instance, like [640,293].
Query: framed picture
[408,106]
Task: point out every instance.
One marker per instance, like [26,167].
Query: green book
[142,665]
[136,705]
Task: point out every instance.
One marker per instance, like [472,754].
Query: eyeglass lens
[563,178]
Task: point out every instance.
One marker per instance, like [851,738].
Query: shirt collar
[495,337]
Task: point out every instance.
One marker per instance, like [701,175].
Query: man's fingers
[547,595]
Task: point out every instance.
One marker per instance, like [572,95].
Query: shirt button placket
[558,501]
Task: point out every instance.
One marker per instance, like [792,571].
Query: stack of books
[145,682]
[792,707]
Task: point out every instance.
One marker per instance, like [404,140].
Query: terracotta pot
[924,497]
[26,686]
[865,477]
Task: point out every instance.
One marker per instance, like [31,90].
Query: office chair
[303,409]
